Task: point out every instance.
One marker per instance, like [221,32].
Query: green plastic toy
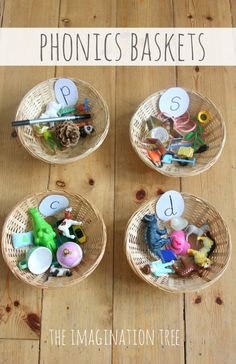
[196,136]
[44,235]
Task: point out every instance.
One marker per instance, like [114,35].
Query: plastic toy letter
[66,92]
[169,205]
[174,102]
[52,204]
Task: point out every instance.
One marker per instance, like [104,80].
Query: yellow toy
[186,152]
[201,256]
[204,117]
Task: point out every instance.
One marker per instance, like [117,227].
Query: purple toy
[178,244]
[69,255]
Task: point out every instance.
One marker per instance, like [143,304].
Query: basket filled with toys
[178,243]
[53,239]
[178,132]
[62,120]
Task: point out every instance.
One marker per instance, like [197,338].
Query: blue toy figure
[153,236]
[158,268]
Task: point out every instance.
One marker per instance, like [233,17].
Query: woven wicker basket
[34,103]
[197,211]
[214,134]
[19,221]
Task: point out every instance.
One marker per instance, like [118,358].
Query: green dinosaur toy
[44,235]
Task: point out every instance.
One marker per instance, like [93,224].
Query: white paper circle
[52,204]
[66,92]
[174,102]
[170,205]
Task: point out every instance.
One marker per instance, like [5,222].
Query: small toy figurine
[158,268]
[153,236]
[67,223]
[178,243]
[44,235]
[86,130]
[201,256]
[189,267]
[203,117]
[178,223]
[199,231]
[59,272]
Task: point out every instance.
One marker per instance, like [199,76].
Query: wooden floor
[113,298]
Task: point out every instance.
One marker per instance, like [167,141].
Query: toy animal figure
[158,268]
[43,233]
[201,256]
[199,231]
[67,223]
[153,236]
[59,272]
[178,243]
[187,269]
[86,130]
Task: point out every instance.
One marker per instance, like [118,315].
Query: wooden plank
[2,3]
[210,315]
[136,305]
[20,305]
[19,351]
[87,306]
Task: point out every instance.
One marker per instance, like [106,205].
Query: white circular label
[66,92]
[174,102]
[160,133]
[52,204]
[169,205]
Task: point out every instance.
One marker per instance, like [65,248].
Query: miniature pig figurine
[178,244]
[67,223]
[201,256]
[153,236]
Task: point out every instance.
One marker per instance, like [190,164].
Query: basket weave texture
[34,103]
[197,211]
[214,134]
[19,221]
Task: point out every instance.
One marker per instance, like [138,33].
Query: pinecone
[67,133]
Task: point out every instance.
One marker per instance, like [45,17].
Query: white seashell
[178,223]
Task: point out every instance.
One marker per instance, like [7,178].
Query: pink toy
[178,244]
[69,255]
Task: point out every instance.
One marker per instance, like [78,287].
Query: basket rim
[190,173]
[163,286]
[87,152]
[75,281]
